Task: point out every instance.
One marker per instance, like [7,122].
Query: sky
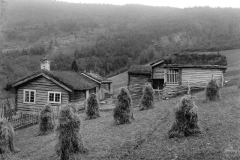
[171,3]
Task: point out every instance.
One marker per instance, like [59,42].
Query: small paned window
[29,96]
[54,97]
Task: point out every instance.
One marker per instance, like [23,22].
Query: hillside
[106,38]
[146,137]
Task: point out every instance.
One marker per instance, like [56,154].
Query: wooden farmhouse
[54,87]
[173,74]
[104,84]
[139,74]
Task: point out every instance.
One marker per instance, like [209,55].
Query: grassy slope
[146,137]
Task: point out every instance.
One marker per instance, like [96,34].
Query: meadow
[146,137]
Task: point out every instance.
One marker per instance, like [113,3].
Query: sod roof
[197,60]
[97,77]
[69,79]
[140,69]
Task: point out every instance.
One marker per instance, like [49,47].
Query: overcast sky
[172,3]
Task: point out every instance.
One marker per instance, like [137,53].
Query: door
[158,83]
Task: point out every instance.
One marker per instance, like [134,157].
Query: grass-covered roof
[72,80]
[97,77]
[140,69]
[196,59]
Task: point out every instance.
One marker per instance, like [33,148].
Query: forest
[106,39]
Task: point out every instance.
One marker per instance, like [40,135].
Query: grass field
[146,137]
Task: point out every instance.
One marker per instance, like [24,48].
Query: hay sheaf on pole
[186,118]
[123,112]
[69,140]
[92,109]
[212,90]
[147,99]
[46,120]
[6,137]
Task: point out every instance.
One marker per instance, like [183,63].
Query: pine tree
[74,66]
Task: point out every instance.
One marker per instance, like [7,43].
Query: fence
[22,119]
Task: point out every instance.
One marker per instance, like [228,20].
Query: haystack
[186,118]
[46,120]
[123,112]
[92,109]
[212,90]
[6,137]
[69,139]
[147,100]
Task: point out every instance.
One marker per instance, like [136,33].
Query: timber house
[54,87]
[173,74]
[104,84]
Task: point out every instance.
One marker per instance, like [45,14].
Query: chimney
[45,64]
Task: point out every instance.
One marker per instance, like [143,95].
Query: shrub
[212,90]
[46,120]
[6,137]
[92,109]
[186,118]
[147,100]
[123,113]
[69,139]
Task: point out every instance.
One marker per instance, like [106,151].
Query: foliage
[186,118]
[147,99]
[74,66]
[123,112]
[92,109]
[69,139]
[212,91]
[46,120]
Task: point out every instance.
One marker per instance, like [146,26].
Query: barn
[173,74]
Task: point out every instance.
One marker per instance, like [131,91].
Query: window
[54,97]
[172,76]
[29,96]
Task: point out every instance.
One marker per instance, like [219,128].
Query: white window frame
[24,96]
[54,101]
[172,76]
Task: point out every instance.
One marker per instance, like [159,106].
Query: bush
[147,100]
[186,118]
[6,137]
[46,120]
[69,139]
[123,113]
[92,109]
[212,91]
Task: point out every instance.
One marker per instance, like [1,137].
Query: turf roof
[140,69]
[72,80]
[191,59]
[97,77]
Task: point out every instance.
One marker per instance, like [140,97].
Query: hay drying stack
[6,137]
[69,139]
[123,112]
[147,100]
[46,120]
[92,109]
[186,118]
[212,91]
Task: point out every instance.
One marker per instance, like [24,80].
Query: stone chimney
[45,64]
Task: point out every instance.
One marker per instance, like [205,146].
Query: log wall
[42,86]
[200,77]
[138,79]
[77,96]
[158,72]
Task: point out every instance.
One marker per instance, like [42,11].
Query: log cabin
[174,73]
[55,87]
[104,84]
